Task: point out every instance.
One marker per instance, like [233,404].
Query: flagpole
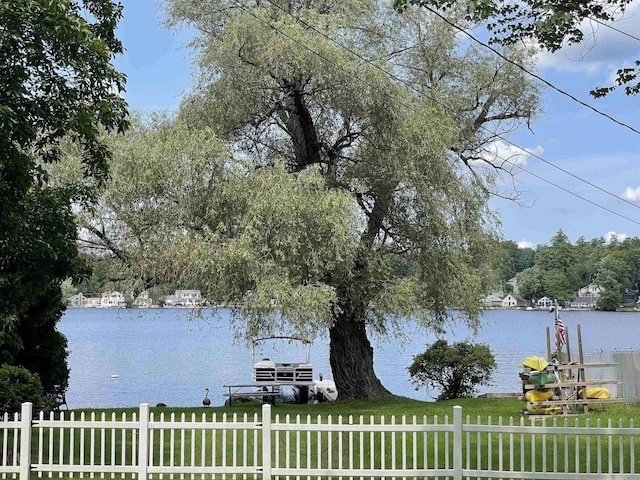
[555,328]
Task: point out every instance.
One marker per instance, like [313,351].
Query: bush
[18,385]
[454,369]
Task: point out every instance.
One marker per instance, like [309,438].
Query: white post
[25,440]
[266,442]
[143,442]
[457,442]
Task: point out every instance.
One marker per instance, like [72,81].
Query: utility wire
[447,107]
[614,28]
[358,78]
[575,194]
[528,72]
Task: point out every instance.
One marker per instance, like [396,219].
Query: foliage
[509,259]
[456,370]
[18,385]
[412,169]
[561,269]
[531,283]
[551,23]
[612,276]
[58,83]
[295,183]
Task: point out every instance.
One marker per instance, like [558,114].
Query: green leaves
[58,86]
[550,23]
[277,249]
[454,369]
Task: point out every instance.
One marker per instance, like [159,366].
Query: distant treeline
[556,270]
[559,269]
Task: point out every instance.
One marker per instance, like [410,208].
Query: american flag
[561,337]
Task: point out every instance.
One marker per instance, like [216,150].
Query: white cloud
[525,244]
[507,155]
[619,236]
[632,194]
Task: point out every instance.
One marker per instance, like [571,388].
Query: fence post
[25,440]
[266,442]
[457,442]
[143,442]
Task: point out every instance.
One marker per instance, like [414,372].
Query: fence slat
[25,440]
[266,442]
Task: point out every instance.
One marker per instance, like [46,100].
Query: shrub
[454,369]
[18,385]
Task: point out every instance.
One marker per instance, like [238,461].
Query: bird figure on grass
[206,401]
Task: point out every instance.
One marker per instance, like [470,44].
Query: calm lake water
[121,358]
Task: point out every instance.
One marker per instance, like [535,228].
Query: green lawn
[335,450]
[387,407]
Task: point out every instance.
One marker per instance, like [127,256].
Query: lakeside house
[92,302]
[76,301]
[143,300]
[544,302]
[588,303]
[493,300]
[79,300]
[591,290]
[586,299]
[112,300]
[513,300]
[184,298]
[630,299]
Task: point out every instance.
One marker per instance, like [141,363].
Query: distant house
[545,302]
[514,283]
[513,301]
[184,298]
[588,303]
[77,301]
[112,300]
[143,300]
[630,298]
[591,290]
[92,302]
[493,300]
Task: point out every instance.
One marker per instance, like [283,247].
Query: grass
[334,450]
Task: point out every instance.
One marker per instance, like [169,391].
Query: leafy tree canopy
[295,182]
[18,385]
[57,83]
[456,370]
[550,23]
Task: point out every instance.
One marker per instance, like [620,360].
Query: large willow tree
[395,116]
[343,160]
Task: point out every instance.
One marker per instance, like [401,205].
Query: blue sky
[567,135]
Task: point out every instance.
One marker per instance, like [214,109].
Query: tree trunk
[351,358]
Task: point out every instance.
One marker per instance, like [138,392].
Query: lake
[124,357]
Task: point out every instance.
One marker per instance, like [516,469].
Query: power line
[447,107]
[574,194]
[358,78]
[611,27]
[528,72]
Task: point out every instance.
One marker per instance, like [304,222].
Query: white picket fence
[256,447]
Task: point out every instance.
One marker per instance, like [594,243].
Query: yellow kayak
[596,392]
[538,395]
